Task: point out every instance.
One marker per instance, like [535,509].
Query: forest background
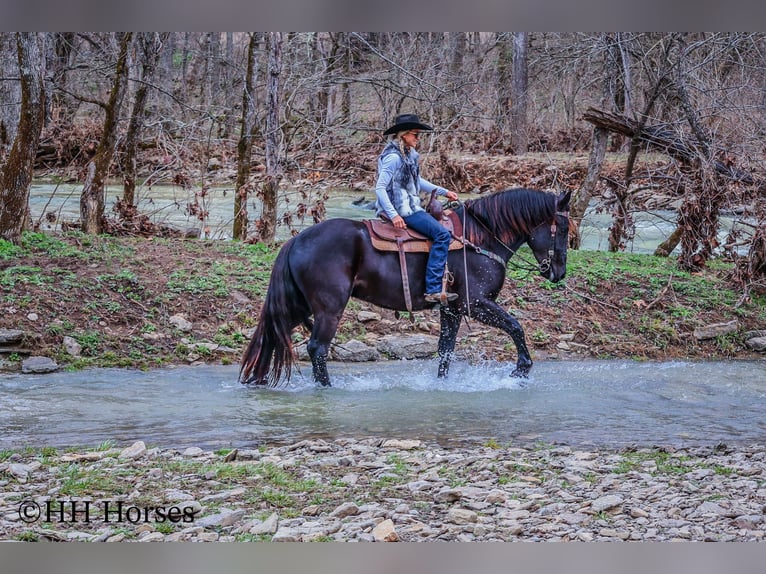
[284,114]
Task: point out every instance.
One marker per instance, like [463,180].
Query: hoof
[521,372]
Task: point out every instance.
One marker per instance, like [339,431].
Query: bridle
[545,264]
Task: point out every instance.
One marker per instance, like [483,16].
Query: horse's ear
[562,202]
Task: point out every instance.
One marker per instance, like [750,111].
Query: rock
[222,519]
[367,316]
[402,444]
[345,509]
[33,317]
[134,451]
[408,347]
[38,365]
[72,347]
[354,351]
[181,323]
[715,330]
[461,516]
[268,526]
[20,471]
[606,502]
[10,336]
[756,343]
[193,451]
[286,535]
[385,532]
[152,537]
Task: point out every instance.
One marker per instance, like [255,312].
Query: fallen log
[662,139]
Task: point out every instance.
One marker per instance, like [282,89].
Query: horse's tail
[270,352]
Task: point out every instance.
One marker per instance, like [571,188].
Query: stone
[354,351]
[286,535]
[385,532]
[222,519]
[496,497]
[715,330]
[193,451]
[10,336]
[606,502]
[72,347]
[345,509]
[402,444]
[20,471]
[756,343]
[367,316]
[38,366]
[408,347]
[461,516]
[152,537]
[180,322]
[134,451]
[268,526]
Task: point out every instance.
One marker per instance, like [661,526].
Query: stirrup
[444,297]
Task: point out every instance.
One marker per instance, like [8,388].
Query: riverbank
[384,490]
[83,301]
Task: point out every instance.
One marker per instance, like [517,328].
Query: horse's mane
[508,214]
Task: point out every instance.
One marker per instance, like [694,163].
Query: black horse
[318,270]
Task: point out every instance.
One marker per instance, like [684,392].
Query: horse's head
[549,241]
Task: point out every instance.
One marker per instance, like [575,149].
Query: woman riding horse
[320,269]
[397,190]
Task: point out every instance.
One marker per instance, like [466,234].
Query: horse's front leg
[490,313]
[449,325]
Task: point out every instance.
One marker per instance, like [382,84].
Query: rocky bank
[384,490]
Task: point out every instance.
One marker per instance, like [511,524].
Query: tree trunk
[268,223]
[519,90]
[150,47]
[597,153]
[92,197]
[503,93]
[16,175]
[245,144]
[10,92]
[61,106]
[588,187]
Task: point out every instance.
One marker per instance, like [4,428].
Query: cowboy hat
[406,122]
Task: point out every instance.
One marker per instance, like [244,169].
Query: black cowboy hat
[406,122]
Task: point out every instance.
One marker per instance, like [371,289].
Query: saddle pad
[386,237]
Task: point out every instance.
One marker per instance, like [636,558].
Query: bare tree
[245,144]
[93,191]
[149,50]
[16,174]
[519,95]
[10,91]
[268,223]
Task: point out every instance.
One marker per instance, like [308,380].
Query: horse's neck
[490,238]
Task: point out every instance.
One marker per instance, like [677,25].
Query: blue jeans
[424,223]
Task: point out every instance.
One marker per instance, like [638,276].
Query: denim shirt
[396,190]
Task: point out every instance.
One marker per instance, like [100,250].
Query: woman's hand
[399,222]
[452,196]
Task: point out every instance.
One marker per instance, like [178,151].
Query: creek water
[167,204]
[598,403]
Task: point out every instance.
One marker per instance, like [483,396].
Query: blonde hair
[400,141]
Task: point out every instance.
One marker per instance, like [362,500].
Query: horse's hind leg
[490,313]
[318,346]
[450,323]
